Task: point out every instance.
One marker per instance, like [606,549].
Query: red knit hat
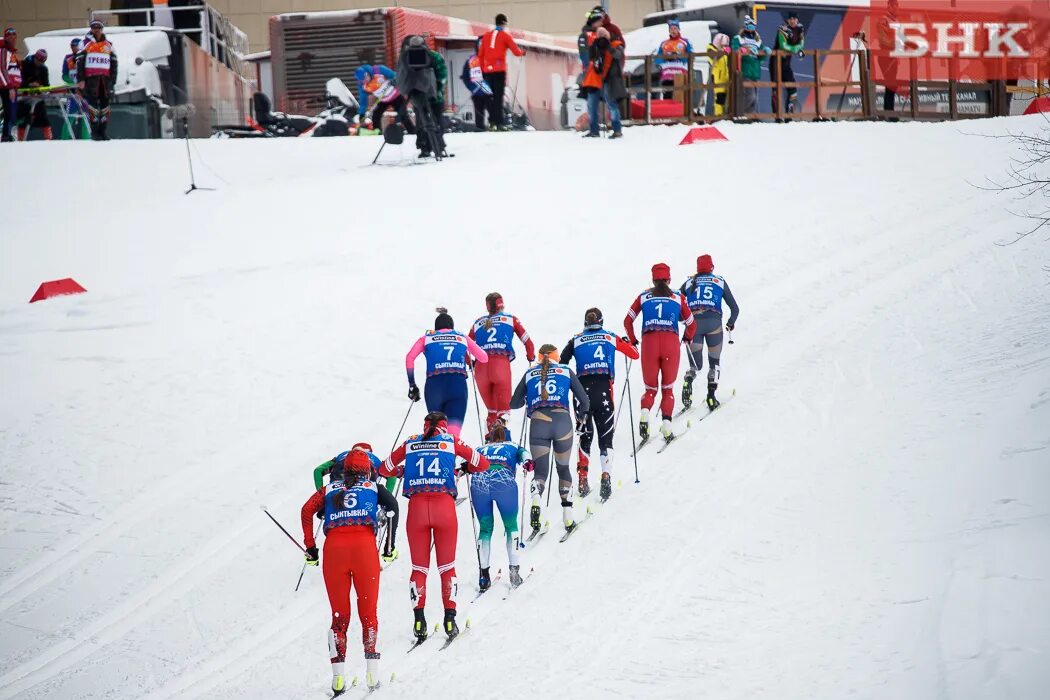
[358,461]
[662,271]
[705,264]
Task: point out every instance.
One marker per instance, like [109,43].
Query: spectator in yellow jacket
[718,54]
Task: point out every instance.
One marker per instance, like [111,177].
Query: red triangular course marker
[702,133]
[57,288]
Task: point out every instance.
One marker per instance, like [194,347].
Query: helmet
[704,264]
[662,271]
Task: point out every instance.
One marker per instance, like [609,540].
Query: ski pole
[619,410]
[477,404]
[729,334]
[411,403]
[630,409]
[301,549]
[303,570]
[524,480]
[473,522]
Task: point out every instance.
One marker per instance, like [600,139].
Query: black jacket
[33,72]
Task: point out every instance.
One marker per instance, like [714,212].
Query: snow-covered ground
[868,518]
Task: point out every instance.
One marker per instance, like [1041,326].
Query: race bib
[475,74]
[97,64]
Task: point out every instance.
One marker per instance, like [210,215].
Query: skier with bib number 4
[445,350]
[544,392]
[662,309]
[429,471]
[595,350]
[705,291]
[349,507]
[494,333]
[498,486]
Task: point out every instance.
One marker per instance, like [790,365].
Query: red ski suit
[350,560]
[493,377]
[661,355]
[431,522]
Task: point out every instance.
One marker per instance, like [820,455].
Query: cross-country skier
[445,350]
[498,486]
[662,309]
[494,332]
[704,292]
[388,508]
[430,486]
[595,351]
[544,391]
[349,507]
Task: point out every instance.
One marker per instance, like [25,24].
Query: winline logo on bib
[972,40]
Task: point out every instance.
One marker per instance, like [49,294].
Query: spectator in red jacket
[493,56]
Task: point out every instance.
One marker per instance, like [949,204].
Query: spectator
[887,38]
[791,39]
[604,79]
[480,92]
[441,76]
[77,117]
[417,80]
[378,82]
[672,57]
[493,55]
[718,55]
[586,37]
[33,113]
[10,80]
[748,45]
[97,78]
[615,33]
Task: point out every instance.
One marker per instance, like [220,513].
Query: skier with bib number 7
[662,309]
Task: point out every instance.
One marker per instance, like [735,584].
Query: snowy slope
[868,518]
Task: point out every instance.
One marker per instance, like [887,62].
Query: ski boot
[606,487]
[419,629]
[389,555]
[585,488]
[339,685]
[450,626]
[515,575]
[534,518]
[643,429]
[687,389]
[372,669]
[582,464]
[484,580]
[665,430]
[712,402]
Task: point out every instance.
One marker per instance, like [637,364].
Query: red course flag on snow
[57,288]
[702,133]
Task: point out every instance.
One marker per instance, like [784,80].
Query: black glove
[581,421]
[730,326]
[632,342]
[413,392]
[312,556]
[462,470]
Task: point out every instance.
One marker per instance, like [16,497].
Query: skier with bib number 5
[349,508]
[544,392]
[595,351]
[429,471]
[704,292]
[662,309]
[494,333]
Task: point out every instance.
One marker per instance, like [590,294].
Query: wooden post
[649,89]
[953,89]
[779,111]
[689,89]
[913,89]
[818,95]
[867,85]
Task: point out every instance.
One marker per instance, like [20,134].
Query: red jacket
[493,50]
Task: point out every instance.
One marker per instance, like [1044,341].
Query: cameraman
[417,80]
